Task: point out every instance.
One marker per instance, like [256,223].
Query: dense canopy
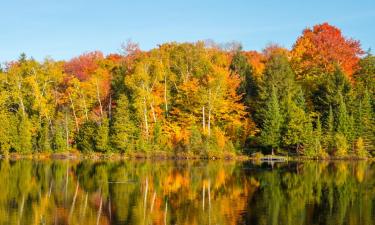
[316,99]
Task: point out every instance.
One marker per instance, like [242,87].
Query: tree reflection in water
[186,192]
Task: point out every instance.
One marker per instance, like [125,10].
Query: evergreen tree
[85,139]
[122,128]
[25,144]
[318,139]
[330,130]
[332,89]
[59,139]
[366,122]
[271,129]
[365,76]
[102,136]
[248,87]
[296,132]
[341,145]
[5,132]
[43,139]
[343,122]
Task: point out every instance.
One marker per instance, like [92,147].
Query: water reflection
[181,192]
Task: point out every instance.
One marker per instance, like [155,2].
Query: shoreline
[171,156]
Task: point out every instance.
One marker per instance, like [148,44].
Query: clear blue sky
[66,28]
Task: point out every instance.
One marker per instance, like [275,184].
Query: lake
[186,192]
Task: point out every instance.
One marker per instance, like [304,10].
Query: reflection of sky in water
[195,192]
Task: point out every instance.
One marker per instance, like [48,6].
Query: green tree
[122,127]
[59,142]
[366,121]
[343,123]
[248,87]
[271,129]
[296,132]
[102,136]
[43,139]
[25,144]
[85,139]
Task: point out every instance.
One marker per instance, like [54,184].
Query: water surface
[186,192]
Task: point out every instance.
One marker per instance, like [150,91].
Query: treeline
[316,99]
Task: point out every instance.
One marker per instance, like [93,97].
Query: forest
[196,99]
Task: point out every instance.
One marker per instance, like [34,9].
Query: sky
[63,29]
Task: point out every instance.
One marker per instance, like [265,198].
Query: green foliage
[189,98]
[271,129]
[240,66]
[122,128]
[43,138]
[85,139]
[24,144]
[102,136]
[341,145]
[196,142]
[360,149]
[297,127]
[59,141]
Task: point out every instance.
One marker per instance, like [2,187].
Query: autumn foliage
[195,99]
[323,47]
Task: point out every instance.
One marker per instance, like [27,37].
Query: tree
[271,129]
[319,49]
[102,136]
[365,76]
[43,139]
[123,129]
[366,121]
[343,123]
[85,139]
[297,133]
[25,144]
[331,91]
[59,142]
[240,66]
[329,131]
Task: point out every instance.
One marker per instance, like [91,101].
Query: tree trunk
[209,114]
[98,96]
[74,112]
[85,106]
[67,130]
[209,122]
[145,116]
[20,97]
[203,120]
[165,96]
[110,106]
[153,112]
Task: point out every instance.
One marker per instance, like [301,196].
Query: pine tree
[5,132]
[102,136]
[343,120]
[240,66]
[296,127]
[25,144]
[43,140]
[330,131]
[85,139]
[366,122]
[271,130]
[59,139]
[122,128]
[318,139]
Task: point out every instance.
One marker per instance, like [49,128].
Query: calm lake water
[186,192]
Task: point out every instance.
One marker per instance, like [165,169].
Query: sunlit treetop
[323,47]
[84,65]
